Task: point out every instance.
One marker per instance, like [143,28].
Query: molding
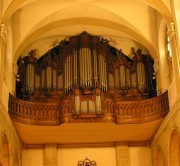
[89,145]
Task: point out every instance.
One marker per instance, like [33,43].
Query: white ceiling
[33,21]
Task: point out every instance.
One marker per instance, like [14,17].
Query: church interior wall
[136,156]
[157,154]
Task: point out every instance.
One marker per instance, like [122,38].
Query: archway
[174,149]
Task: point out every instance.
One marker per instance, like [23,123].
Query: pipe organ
[85,68]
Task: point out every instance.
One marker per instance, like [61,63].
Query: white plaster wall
[32,157]
[60,11]
[140,156]
[103,156]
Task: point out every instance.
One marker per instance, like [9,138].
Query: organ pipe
[30,78]
[86,62]
[141,76]
[48,77]
[122,76]
[95,68]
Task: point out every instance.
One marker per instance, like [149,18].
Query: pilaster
[122,154]
[50,155]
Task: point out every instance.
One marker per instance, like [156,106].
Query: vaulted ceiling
[39,23]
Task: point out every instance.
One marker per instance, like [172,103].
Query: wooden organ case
[83,74]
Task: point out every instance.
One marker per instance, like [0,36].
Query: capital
[3,30]
[171,30]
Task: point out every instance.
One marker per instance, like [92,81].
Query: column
[174,53]
[50,155]
[3,33]
[122,154]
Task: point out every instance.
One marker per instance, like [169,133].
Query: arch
[88,21]
[159,158]
[174,148]
[5,151]
[15,5]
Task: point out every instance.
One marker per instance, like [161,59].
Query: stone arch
[5,151]
[174,148]
[159,158]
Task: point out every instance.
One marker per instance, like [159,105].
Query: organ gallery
[85,76]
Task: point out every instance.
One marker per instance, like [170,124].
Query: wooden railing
[142,111]
[120,112]
[33,113]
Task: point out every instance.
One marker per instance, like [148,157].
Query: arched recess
[5,151]
[159,159]
[164,59]
[174,148]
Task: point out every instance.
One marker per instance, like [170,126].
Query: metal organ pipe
[43,79]
[67,74]
[95,68]
[141,76]
[54,79]
[128,77]
[48,77]
[105,76]
[85,66]
[102,73]
[89,71]
[122,76]
[116,78]
[75,68]
[29,78]
[82,67]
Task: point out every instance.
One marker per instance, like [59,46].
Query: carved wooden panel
[120,112]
